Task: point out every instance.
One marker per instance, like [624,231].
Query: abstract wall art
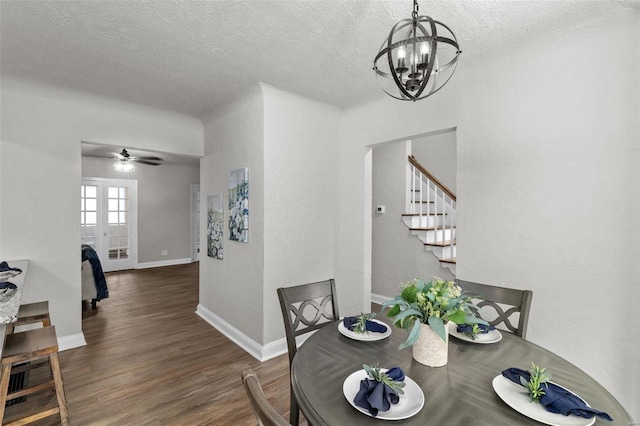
[239,205]
[215,226]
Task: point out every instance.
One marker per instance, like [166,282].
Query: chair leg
[4,381]
[294,412]
[57,379]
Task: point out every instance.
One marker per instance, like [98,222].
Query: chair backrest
[265,413]
[496,297]
[299,301]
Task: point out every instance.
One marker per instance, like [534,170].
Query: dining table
[458,393]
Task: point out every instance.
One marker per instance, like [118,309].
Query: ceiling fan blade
[150,158]
[150,163]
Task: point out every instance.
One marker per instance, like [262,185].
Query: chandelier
[417,59]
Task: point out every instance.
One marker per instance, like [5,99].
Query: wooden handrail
[431,177]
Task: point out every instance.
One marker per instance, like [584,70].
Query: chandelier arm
[432,55]
[446,81]
[390,59]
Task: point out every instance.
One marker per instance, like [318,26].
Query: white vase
[430,349]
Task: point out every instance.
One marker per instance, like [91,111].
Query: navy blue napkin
[468,328]
[350,322]
[4,267]
[556,399]
[376,396]
[7,285]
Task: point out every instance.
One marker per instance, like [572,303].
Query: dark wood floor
[150,360]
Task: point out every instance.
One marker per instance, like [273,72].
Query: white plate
[409,404]
[517,397]
[367,336]
[492,336]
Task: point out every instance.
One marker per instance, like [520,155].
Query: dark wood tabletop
[460,393]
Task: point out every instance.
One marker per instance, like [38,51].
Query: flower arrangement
[434,303]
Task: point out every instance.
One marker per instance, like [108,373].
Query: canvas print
[215,225]
[239,205]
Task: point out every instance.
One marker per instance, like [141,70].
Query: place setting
[386,394]
[474,333]
[364,328]
[534,395]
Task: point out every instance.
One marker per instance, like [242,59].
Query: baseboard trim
[71,341]
[159,263]
[253,348]
[379,299]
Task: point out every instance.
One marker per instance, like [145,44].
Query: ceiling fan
[124,156]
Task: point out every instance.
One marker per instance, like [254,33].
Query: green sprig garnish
[360,326]
[475,330]
[537,383]
[375,373]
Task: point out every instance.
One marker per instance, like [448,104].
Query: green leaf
[472,319]
[394,311]
[409,294]
[452,303]
[457,316]
[391,302]
[413,336]
[438,326]
[408,313]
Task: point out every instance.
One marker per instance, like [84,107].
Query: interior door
[195,222]
[108,221]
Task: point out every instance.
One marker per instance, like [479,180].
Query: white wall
[397,256]
[548,143]
[438,154]
[232,288]
[40,180]
[289,144]
[301,193]
[164,206]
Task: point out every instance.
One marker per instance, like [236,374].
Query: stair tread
[441,243]
[448,260]
[423,214]
[431,228]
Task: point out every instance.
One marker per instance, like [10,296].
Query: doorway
[108,221]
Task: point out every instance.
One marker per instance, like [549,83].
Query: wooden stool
[32,346]
[30,313]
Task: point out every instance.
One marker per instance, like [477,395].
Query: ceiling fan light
[123,165]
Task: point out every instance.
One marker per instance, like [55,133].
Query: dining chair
[297,304]
[265,413]
[497,297]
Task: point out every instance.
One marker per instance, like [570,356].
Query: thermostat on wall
[380,209]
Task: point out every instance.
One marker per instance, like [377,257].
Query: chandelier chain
[414,14]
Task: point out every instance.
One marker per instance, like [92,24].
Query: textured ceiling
[190,56]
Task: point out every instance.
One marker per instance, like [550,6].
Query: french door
[108,221]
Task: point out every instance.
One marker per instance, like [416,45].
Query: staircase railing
[432,198]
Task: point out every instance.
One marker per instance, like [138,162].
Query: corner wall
[301,192]
[289,144]
[232,289]
[547,145]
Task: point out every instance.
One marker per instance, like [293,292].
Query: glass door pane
[89,214]
[118,222]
